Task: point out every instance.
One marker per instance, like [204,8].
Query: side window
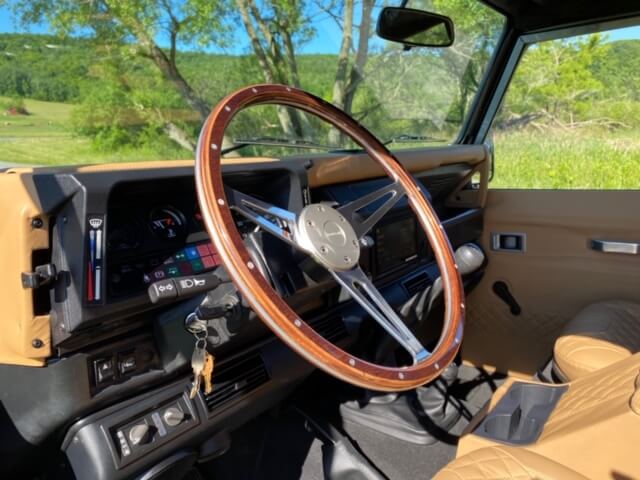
[571,116]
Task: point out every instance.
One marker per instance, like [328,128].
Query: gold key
[198,360]
[207,373]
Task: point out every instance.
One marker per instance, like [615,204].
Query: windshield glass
[133,80]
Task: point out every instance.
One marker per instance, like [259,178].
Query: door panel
[555,277]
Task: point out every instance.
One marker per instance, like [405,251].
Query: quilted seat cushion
[600,335]
[505,463]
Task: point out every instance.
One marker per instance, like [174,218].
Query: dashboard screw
[37,343]
[37,223]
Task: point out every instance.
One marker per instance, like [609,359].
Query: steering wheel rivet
[437,365]
[226,108]
[324,249]
[297,322]
[220,201]
[401,376]
[347,259]
[254,90]
[310,223]
[352,362]
[250,265]
[214,146]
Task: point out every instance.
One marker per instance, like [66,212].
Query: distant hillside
[45,67]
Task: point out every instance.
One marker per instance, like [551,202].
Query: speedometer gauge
[167,223]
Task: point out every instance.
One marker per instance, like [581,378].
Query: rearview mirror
[415,28]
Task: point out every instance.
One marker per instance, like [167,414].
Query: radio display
[396,244]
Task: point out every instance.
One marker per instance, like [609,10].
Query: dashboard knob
[173,416]
[140,434]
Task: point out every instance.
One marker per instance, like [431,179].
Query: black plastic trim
[520,416]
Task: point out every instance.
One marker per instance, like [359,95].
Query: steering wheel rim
[261,296]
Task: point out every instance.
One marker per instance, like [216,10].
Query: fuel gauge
[167,223]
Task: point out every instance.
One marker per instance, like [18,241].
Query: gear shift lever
[469,258]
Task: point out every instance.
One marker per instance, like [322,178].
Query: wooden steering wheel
[332,237]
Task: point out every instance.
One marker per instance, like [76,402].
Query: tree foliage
[140,74]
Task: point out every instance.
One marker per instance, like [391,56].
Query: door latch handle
[502,291]
[609,246]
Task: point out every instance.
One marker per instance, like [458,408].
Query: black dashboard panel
[101,286]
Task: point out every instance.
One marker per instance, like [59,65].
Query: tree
[138,24]
[274,28]
[555,82]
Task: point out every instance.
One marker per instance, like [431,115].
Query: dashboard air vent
[440,185]
[235,379]
[416,283]
[331,328]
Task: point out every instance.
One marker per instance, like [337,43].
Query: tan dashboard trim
[20,328]
[359,166]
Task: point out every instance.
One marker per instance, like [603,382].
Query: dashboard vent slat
[237,378]
[331,328]
[417,283]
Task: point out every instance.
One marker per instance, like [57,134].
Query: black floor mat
[280,447]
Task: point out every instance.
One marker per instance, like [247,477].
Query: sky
[327,39]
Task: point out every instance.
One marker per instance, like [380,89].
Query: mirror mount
[415,28]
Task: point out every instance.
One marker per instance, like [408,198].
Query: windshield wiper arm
[275,142]
[408,138]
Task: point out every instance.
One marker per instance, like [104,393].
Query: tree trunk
[270,61]
[179,136]
[340,82]
[362,54]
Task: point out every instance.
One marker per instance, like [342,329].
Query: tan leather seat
[600,335]
[505,463]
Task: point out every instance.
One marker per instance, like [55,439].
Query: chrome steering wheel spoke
[362,290]
[331,236]
[278,221]
[391,194]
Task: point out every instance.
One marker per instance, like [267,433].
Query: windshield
[115,80]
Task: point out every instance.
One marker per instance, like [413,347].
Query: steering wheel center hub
[329,237]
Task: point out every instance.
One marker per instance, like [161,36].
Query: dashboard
[115,232]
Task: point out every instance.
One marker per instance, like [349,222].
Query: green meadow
[549,158]
[45,137]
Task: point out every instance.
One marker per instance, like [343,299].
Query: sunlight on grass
[44,138]
[552,158]
[66,151]
[577,159]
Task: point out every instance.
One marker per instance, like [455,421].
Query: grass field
[555,159]
[558,159]
[44,138]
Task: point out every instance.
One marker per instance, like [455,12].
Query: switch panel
[118,363]
[134,437]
